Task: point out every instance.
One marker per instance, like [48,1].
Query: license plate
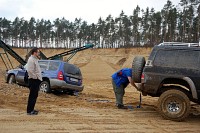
[74,80]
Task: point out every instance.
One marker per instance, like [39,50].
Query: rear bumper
[59,84]
[140,87]
[146,89]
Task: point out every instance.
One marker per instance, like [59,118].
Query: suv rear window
[72,69]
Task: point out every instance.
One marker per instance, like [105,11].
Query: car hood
[13,70]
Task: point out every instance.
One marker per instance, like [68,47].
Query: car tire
[174,105]
[11,79]
[137,68]
[45,87]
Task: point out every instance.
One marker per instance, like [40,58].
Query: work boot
[119,106]
[34,112]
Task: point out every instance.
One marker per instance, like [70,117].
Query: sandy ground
[93,110]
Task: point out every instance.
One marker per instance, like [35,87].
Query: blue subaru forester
[56,75]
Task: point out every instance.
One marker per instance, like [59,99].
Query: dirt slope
[93,110]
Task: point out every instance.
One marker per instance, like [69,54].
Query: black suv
[172,73]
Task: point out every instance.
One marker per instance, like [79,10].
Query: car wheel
[174,105]
[45,87]
[11,79]
[137,68]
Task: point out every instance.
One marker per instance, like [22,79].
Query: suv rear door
[49,68]
[72,74]
[162,64]
[43,66]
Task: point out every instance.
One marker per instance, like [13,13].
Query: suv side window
[187,59]
[43,65]
[165,58]
[53,66]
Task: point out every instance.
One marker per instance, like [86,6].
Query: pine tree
[100,30]
[32,31]
[145,26]
[135,21]
[24,32]
[16,25]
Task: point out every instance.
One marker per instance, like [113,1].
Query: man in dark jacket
[120,81]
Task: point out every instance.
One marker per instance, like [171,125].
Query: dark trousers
[34,88]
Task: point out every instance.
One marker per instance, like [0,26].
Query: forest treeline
[145,27]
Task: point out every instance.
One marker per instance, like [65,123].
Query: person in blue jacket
[120,81]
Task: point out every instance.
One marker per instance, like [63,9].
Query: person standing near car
[120,81]
[35,78]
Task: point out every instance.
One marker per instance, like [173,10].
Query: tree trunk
[41,41]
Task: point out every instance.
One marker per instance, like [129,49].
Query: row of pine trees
[143,28]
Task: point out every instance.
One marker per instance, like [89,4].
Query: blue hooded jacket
[121,77]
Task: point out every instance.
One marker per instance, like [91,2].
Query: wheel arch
[46,79]
[9,76]
[185,84]
[192,87]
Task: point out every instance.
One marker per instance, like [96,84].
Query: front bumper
[59,84]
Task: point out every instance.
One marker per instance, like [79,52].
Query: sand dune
[94,109]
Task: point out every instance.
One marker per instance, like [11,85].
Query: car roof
[59,61]
[53,60]
[176,48]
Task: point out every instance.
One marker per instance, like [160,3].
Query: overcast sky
[89,10]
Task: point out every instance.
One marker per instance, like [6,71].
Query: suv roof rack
[179,44]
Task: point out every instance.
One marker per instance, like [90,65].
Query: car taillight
[60,75]
[142,78]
